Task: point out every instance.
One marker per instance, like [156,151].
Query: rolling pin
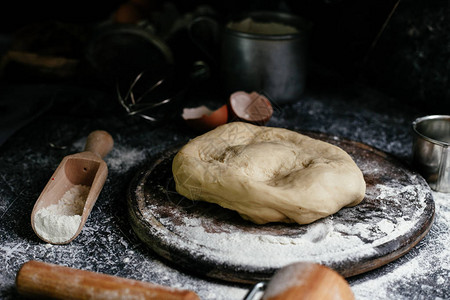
[298,281]
[302,281]
[49,281]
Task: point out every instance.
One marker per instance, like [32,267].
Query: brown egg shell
[204,119]
[250,107]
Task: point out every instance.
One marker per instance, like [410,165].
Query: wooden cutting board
[204,238]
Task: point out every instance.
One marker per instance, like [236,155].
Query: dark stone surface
[107,243]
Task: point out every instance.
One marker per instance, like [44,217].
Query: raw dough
[268,174]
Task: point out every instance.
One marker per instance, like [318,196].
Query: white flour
[270,28]
[122,159]
[59,222]
[427,262]
[333,240]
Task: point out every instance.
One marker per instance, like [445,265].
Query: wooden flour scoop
[85,168]
[299,281]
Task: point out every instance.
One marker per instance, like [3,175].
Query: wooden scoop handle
[301,281]
[99,142]
[49,281]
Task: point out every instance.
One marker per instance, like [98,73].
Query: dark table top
[107,244]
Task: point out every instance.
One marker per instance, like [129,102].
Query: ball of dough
[268,174]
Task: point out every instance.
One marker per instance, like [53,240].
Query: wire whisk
[141,104]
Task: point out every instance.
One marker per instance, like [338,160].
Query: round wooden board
[396,213]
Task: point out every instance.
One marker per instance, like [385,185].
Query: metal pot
[268,56]
[269,60]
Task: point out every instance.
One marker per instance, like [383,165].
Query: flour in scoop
[59,222]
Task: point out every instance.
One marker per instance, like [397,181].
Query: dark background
[401,48]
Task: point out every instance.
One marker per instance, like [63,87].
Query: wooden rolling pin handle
[49,281]
[303,280]
[99,142]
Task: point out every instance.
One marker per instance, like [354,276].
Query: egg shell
[250,107]
[203,119]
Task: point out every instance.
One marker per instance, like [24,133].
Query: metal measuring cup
[431,150]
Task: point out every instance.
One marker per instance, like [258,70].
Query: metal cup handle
[208,45]
[443,183]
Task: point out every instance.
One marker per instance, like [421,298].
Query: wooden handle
[301,281]
[48,281]
[99,142]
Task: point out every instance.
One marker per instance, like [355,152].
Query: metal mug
[431,150]
[272,63]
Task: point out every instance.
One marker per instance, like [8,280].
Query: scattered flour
[426,263]
[122,158]
[332,241]
[59,222]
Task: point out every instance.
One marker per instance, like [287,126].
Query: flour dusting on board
[417,267]
[327,241]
